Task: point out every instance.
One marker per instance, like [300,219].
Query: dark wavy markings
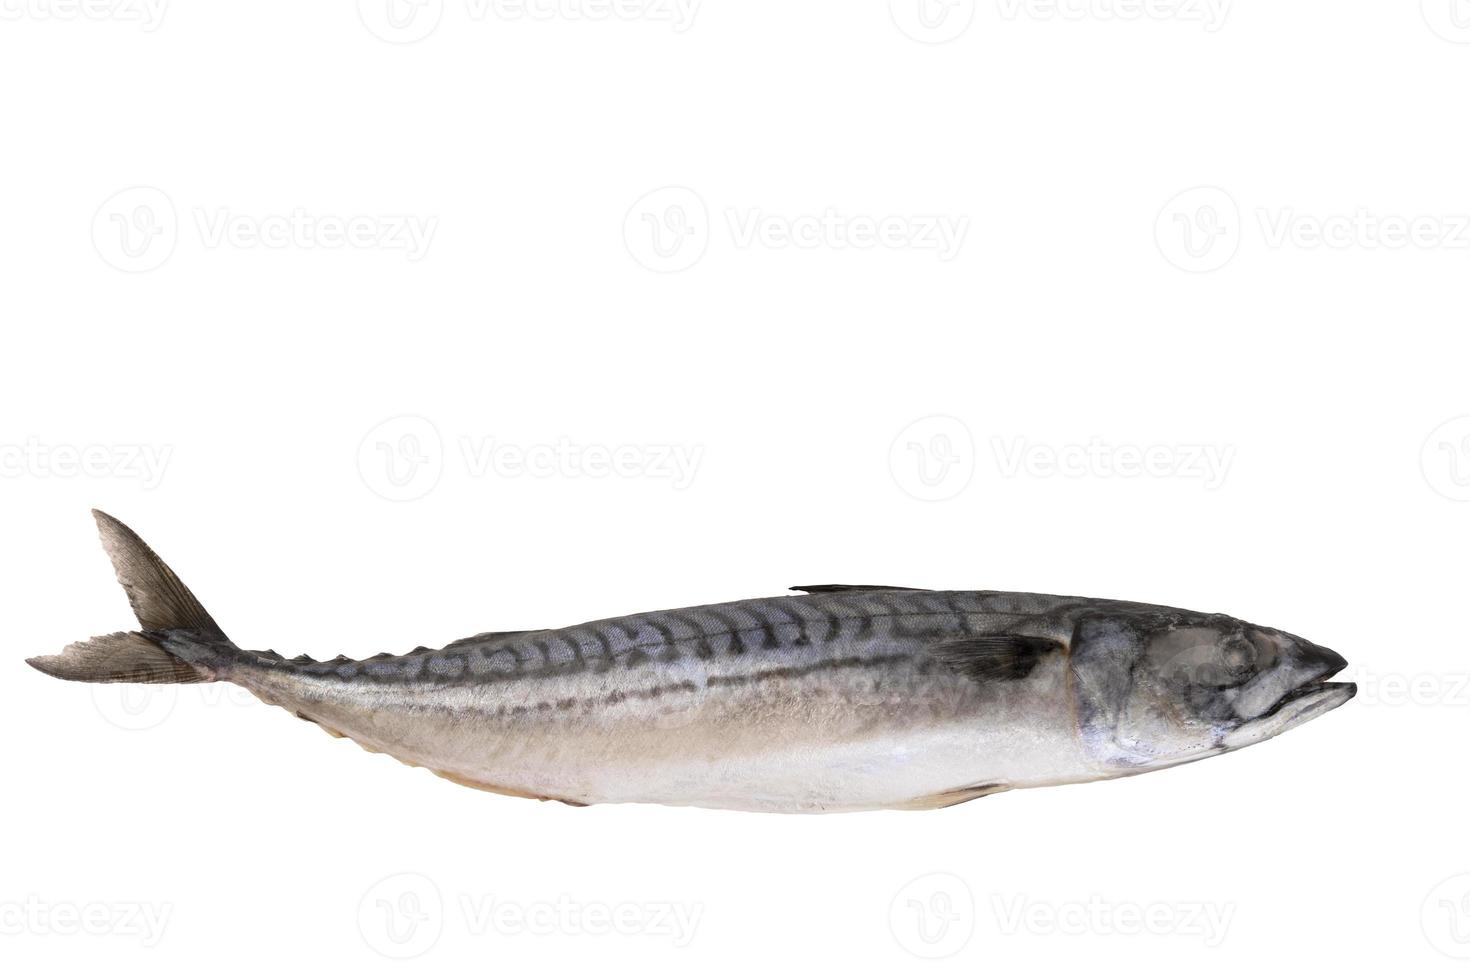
[607,659]
[796,619]
[670,651]
[732,630]
[769,639]
[705,633]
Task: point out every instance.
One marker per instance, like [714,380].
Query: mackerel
[842,698]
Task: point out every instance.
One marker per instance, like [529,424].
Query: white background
[290,392]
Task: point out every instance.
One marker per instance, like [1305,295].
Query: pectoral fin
[1000,657]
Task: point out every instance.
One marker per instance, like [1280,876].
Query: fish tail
[179,643]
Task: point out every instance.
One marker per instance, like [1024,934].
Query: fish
[838,698]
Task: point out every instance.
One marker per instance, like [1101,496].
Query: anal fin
[952,797]
[455,777]
[326,728]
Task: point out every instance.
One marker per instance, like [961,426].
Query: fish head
[1158,688]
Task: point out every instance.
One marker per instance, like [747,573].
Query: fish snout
[1319,662]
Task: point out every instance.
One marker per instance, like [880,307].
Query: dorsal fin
[160,600]
[819,589]
[996,657]
[480,639]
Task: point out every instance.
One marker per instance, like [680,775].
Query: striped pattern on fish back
[783,628]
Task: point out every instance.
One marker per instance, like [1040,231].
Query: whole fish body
[845,698]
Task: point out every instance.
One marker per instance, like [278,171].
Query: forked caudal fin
[163,605]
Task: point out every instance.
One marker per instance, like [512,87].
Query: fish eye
[1230,662]
[1223,676]
[1235,661]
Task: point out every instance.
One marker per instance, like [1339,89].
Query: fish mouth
[1311,699]
[1315,696]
